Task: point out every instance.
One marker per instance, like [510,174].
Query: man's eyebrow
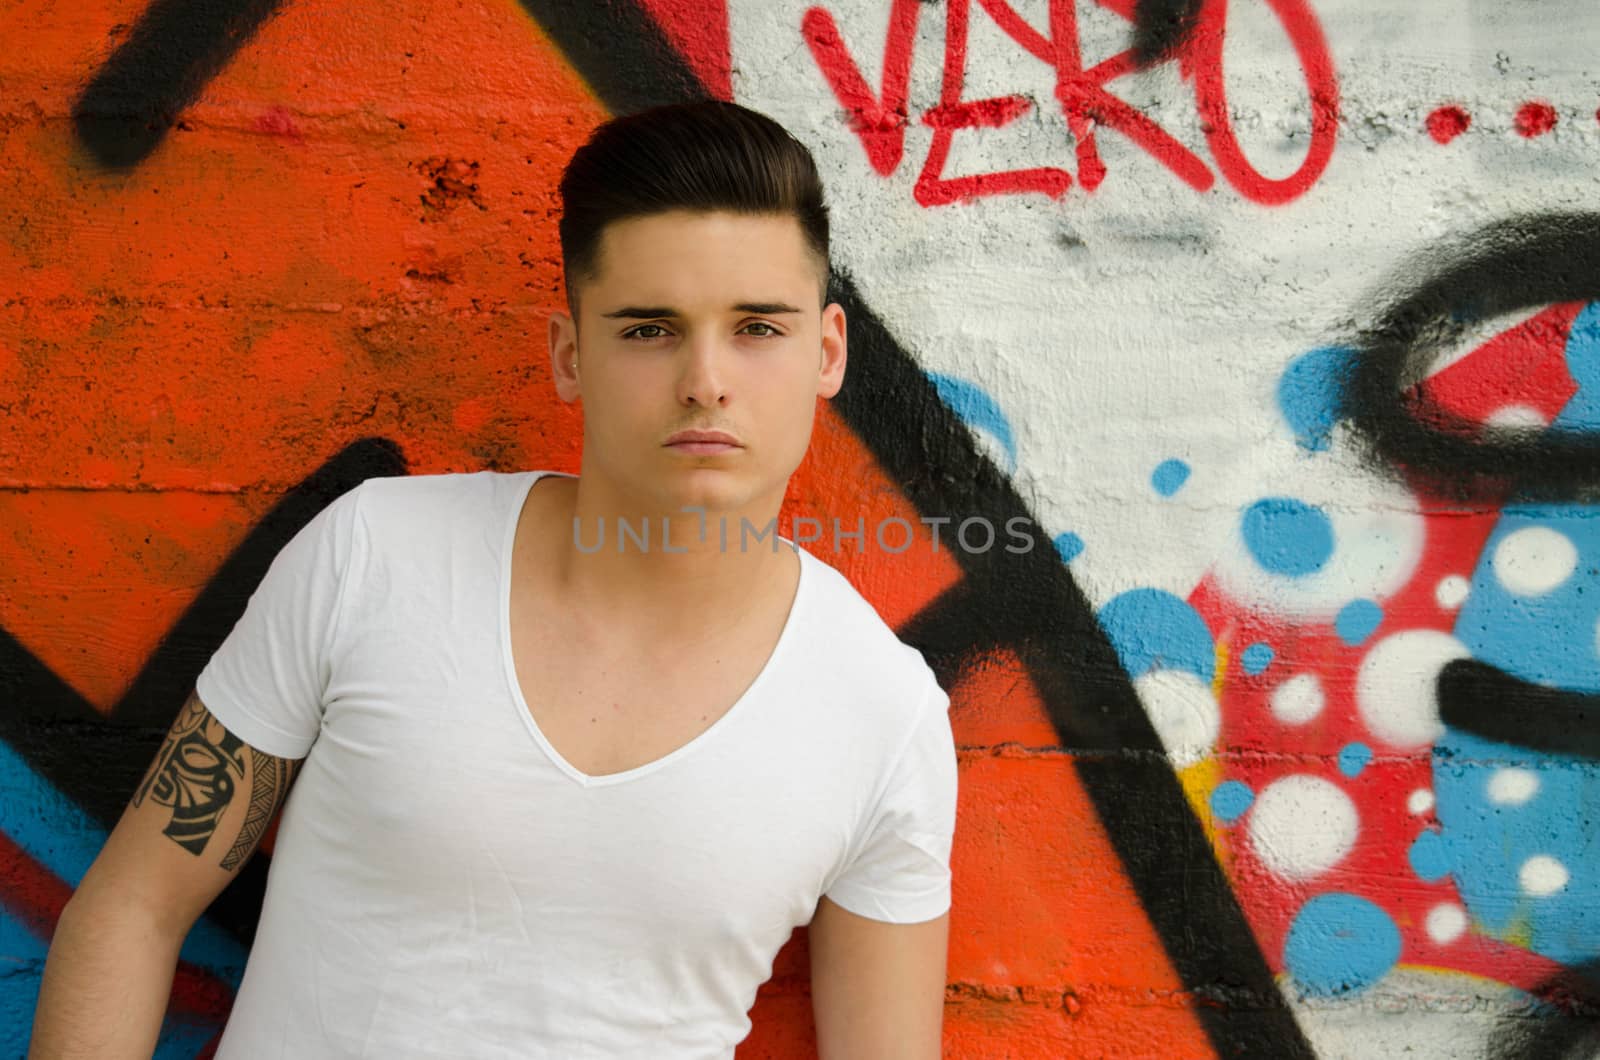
[634,312]
[766,309]
[762,309]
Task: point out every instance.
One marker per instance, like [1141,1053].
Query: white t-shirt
[444,884]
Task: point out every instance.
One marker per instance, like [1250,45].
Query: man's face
[699,322]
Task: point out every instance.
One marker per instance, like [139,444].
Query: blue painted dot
[1256,658]
[1230,799]
[1339,943]
[1308,395]
[1169,477]
[1353,758]
[1356,621]
[1430,856]
[1287,536]
[1069,546]
[1153,629]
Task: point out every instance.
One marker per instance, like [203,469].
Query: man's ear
[831,371]
[564,356]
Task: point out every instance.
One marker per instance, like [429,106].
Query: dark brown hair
[703,156]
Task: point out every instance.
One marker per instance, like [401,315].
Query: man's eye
[761,329]
[645,331]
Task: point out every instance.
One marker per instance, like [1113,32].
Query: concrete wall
[1276,318]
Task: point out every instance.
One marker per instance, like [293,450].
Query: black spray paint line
[1162,27]
[619,50]
[1032,607]
[172,52]
[1516,264]
[96,761]
[1488,702]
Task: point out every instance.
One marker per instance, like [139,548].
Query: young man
[551,797]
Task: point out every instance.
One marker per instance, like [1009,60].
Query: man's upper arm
[879,934]
[198,814]
[877,988]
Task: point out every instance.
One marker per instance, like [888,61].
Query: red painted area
[980,114]
[1535,118]
[1448,122]
[698,29]
[1522,367]
[1087,104]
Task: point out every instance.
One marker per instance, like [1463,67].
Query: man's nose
[703,380]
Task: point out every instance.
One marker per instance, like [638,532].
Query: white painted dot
[1298,699]
[1396,686]
[1516,416]
[1513,787]
[1534,560]
[1541,875]
[1420,801]
[1452,591]
[1445,923]
[1184,712]
[1301,825]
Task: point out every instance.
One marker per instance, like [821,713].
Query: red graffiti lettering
[880,121]
[1086,102]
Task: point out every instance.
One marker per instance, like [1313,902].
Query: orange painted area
[1040,904]
[840,480]
[91,580]
[995,703]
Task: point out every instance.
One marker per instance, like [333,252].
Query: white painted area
[1452,591]
[1184,712]
[1376,545]
[1413,1013]
[1446,922]
[1301,825]
[1397,686]
[1542,875]
[1298,700]
[1516,416]
[1145,320]
[1419,801]
[1510,786]
[1534,560]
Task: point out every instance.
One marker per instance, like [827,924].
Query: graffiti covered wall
[1280,319]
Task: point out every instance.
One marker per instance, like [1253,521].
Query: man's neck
[684,568]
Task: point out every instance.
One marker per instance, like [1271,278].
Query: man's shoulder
[432,488]
[400,511]
[861,648]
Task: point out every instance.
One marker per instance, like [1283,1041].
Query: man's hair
[705,156]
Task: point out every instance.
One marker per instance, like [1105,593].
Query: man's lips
[703,443]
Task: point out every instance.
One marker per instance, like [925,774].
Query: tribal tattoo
[196,773]
[270,778]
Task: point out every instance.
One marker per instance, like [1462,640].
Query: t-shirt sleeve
[267,680]
[900,871]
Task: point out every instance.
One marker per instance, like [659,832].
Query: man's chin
[714,489]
